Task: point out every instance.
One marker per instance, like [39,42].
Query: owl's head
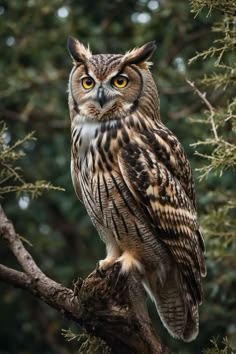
[109,86]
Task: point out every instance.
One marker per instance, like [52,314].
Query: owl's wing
[171,153]
[168,208]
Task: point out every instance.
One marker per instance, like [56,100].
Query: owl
[133,177]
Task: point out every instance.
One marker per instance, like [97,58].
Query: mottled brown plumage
[135,181]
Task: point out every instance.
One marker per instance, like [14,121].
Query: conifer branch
[209,106]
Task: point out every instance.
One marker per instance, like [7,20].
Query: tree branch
[209,106]
[13,277]
[17,248]
[109,306]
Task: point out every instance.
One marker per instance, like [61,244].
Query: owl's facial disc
[113,84]
[105,94]
[106,97]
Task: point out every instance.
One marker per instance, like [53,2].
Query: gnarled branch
[110,306]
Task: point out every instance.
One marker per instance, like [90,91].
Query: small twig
[209,106]
[14,277]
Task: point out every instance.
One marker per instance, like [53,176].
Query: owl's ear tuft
[139,56]
[77,50]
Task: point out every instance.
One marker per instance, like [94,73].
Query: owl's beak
[101,96]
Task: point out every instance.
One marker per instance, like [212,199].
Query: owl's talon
[99,270]
[104,265]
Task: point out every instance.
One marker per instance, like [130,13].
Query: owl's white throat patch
[84,131]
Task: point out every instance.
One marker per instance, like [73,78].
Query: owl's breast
[84,132]
[94,148]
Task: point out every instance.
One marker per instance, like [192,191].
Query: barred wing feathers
[170,210]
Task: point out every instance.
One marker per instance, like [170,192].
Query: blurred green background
[34,69]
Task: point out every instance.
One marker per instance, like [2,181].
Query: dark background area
[34,69]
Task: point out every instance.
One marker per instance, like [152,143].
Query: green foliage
[218,148]
[220,226]
[88,344]
[223,157]
[222,81]
[221,143]
[220,348]
[11,179]
[225,6]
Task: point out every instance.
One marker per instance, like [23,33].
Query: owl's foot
[105,264]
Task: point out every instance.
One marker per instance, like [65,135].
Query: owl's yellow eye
[88,83]
[120,81]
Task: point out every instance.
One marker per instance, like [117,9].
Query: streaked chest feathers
[94,154]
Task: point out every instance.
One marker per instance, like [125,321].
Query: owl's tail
[174,305]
